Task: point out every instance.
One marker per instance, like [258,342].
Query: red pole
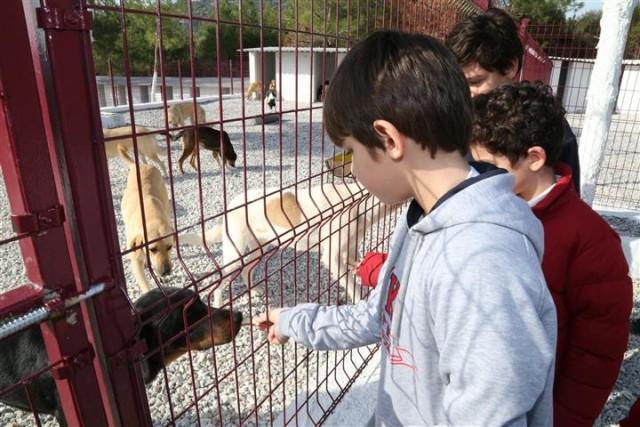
[114,96]
[34,189]
[231,74]
[113,392]
[180,78]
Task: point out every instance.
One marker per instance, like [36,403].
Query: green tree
[587,26]
[543,11]
[632,49]
[342,21]
[141,31]
[229,29]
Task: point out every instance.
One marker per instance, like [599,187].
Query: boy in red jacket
[518,127]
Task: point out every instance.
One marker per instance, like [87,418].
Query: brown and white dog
[180,112]
[158,224]
[254,91]
[147,144]
[329,218]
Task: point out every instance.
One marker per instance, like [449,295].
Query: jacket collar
[564,184]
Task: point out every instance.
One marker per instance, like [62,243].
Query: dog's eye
[153,250]
[169,247]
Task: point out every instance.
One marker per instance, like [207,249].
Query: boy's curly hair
[513,118]
[490,39]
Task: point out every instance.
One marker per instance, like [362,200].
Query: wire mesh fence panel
[198,128]
[572,50]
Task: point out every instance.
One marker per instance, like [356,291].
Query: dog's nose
[237,317]
[165,270]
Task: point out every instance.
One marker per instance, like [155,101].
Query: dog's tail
[211,236]
[124,153]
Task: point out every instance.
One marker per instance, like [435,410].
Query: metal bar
[35,316]
[32,185]
[91,230]
[114,95]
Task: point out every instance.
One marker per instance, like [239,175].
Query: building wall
[629,95]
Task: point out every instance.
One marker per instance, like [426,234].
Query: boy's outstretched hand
[268,322]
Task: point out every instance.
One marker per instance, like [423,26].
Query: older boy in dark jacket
[489,50]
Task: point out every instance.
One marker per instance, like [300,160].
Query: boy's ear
[536,158]
[391,137]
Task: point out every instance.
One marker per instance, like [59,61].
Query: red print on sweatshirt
[397,355]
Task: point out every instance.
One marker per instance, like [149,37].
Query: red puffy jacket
[587,275]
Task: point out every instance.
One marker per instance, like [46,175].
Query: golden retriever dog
[158,224]
[147,145]
[180,112]
[254,91]
[330,218]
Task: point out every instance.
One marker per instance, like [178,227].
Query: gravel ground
[267,378]
[235,395]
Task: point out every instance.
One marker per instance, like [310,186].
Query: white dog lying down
[157,213]
[330,218]
[147,145]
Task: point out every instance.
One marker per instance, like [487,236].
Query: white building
[303,69]
[141,89]
[570,80]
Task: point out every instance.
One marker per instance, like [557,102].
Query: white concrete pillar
[601,95]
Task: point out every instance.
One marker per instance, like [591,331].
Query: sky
[590,5]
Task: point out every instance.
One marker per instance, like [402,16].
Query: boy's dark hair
[490,39]
[410,80]
[513,118]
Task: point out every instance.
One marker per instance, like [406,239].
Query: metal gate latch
[37,222]
[53,18]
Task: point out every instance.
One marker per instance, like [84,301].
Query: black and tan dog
[24,353]
[209,139]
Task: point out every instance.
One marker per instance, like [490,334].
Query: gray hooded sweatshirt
[466,323]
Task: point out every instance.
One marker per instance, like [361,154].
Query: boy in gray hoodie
[466,323]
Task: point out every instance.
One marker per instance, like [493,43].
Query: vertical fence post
[522,30]
[113,86]
[80,163]
[32,188]
[180,78]
[231,74]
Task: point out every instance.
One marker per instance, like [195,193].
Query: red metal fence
[65,192]
[572,51]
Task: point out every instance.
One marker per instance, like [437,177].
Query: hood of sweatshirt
[484,198]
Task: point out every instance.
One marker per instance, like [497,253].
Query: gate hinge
[38,222]
[53,18]
[71,363]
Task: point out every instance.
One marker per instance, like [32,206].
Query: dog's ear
[284,211]
[135,242]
